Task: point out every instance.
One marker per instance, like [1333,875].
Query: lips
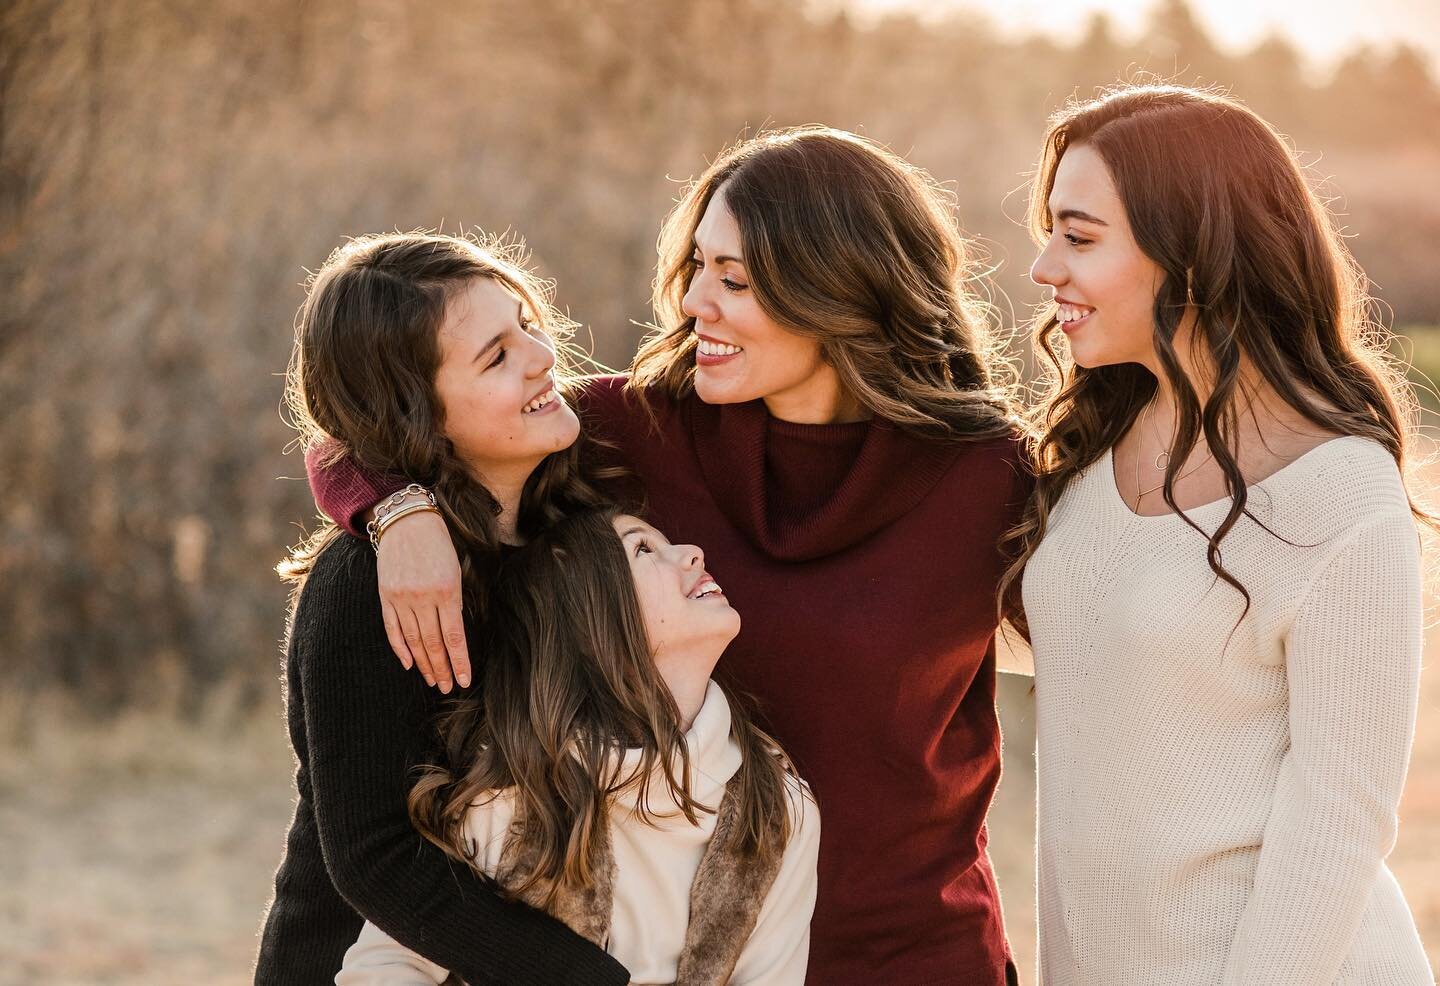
[542,400]
[1071,315]
[712,352]
[705,586]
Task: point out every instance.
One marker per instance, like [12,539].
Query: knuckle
[432,643]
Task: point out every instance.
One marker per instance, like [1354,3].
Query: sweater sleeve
[1352,659]
[778,950]
[364,722]
[343,490]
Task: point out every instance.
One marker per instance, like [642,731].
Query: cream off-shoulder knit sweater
[1218,792]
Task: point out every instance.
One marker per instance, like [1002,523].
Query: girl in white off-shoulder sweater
[606,779]
[1221,569]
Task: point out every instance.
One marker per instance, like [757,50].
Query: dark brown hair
[570,683]
[1217,200]
[844,242]
[362,380]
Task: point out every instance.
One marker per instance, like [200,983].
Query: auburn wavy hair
[570,686]
[361,381]
[845,242]
[1217,199]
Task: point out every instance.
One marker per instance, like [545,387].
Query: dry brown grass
[142,850]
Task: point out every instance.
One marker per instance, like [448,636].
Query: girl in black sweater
[435,355]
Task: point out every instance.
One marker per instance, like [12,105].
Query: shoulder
[994,471]
[1339,484]
[337,621]
[487,827]
[804,811]
[342,577]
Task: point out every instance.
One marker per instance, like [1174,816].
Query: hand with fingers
[421,599]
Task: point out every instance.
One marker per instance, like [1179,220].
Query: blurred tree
[169,169]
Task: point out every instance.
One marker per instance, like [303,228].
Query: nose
[541,356]
[697,303]
[1047,270]
[689,557]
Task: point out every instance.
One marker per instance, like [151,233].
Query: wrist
[403,503]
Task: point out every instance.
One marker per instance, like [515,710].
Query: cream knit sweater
[654,867]
[1216,801]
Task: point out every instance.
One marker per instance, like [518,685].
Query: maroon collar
[891,472]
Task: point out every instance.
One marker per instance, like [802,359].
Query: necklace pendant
[1162,460]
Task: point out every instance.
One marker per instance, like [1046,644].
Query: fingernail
[464,680]
[445,687]
[430,681]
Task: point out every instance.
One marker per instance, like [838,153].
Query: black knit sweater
[358,723]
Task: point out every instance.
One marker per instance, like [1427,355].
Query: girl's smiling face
[496,382]
[1104,285]
[684,609]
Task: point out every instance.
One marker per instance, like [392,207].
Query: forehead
[479,311]
[1083,182]
[626,524]
[718,231]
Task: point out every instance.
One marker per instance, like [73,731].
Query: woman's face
[683,608]
[496,383]
[1104,285]
[745,355]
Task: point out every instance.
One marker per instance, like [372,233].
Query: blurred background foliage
[168,171]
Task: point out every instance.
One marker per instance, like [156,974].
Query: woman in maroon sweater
[821,410]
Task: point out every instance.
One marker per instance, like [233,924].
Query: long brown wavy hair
[846,243]
[1217,199]
[570,684]
[362,380]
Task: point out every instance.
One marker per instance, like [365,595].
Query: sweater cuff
[343,490]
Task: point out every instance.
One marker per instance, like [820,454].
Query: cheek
[476,419]
[652,607]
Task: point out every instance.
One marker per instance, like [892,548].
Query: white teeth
[706,589]
[1071,313]
[540,401]
[717,348]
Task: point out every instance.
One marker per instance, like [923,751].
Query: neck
[819,401]
[687,676]
[506,485]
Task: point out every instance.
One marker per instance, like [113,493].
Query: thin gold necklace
[1161,460]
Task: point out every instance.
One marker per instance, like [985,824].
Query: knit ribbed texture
[1216,800]
[358,723]
[863,563]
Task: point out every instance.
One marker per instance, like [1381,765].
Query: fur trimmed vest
[725,898]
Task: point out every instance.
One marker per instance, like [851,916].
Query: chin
[1090,357]
[713,391]
[567,430]
[734,628]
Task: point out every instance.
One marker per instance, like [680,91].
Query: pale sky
[1324,30]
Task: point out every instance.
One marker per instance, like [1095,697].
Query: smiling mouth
[1068,314]
[718,348]
[707,587]
[712,352]
[540,403]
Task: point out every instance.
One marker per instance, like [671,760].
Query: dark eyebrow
[1084,217]
[723,259]
[519,315]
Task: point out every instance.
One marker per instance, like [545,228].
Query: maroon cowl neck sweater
[863,563]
